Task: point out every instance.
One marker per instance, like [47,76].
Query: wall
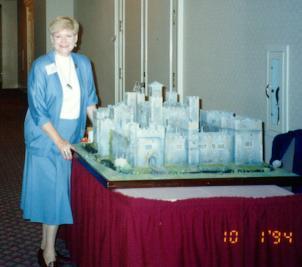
[9,44]
[97,42]
[40,27]
[45,11]
[225,53]
[56,8]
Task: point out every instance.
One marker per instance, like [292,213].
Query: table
[112,179]
[111,229]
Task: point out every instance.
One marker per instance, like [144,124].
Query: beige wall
[9,44]
[225,46]
[224,51]
[40,27]
[97,20]
[57,8]
[45,11]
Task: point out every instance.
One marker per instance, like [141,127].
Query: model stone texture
[158,133]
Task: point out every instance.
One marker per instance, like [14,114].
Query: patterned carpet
[19,240]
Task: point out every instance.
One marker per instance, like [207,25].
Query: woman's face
[64,41]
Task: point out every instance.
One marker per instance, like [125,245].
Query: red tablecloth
[111,229]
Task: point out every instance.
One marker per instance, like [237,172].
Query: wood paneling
[25,38]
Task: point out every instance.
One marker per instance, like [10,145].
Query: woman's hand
[65,149]
[63,146]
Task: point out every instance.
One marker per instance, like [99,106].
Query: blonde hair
[63,23]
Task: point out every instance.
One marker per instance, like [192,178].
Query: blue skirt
[45,196]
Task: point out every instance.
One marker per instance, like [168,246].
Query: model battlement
[159,133]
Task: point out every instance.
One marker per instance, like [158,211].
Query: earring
[75,45]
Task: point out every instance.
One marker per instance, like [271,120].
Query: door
[276,94]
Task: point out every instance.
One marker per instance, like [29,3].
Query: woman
[61,93]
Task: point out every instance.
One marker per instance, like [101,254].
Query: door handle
[277,101]
[267,88]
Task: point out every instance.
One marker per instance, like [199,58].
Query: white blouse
[70,85]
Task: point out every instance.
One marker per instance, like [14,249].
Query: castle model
[164,133]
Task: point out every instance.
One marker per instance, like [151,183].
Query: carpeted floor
[19,240]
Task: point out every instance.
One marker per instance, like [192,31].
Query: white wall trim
[146,58]
[118,47]
[284,49]
[180,49]
[171,46]
[271,132]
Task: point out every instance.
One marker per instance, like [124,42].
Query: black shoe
[53,264]
[42,262]
[63,259]
[40,257]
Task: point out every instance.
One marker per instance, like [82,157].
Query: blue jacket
[45,98]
